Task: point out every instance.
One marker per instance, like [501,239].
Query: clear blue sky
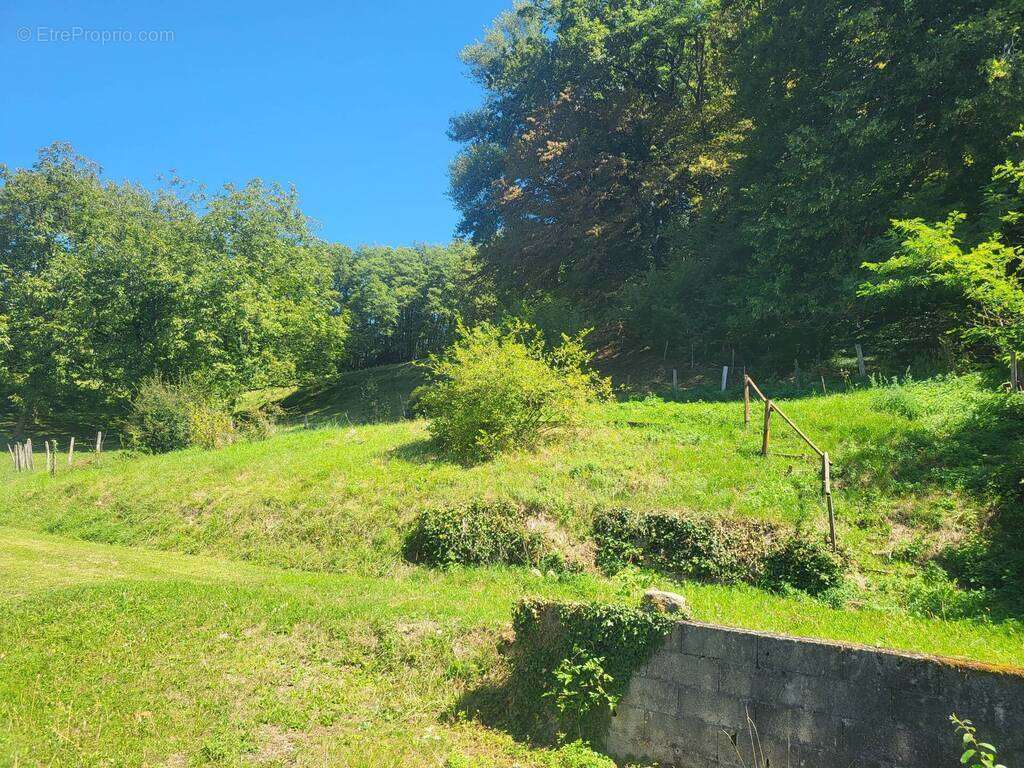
[347,100]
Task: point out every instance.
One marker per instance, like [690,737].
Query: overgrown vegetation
[499,388]
[677,169]
[722,549]
[568,667]
[480,533]
[166,417]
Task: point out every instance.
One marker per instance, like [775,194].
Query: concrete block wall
[813,704]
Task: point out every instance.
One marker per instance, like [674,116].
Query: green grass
[125,656]
[341,498]
[371,395]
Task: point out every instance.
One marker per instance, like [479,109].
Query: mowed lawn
[113,655]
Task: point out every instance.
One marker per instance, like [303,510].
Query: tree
[605,124]
[405,303]
[975,292]
[103,285]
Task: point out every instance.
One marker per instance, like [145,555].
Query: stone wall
[813,704]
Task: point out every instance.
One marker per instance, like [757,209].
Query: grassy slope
[339,498]
[166,659]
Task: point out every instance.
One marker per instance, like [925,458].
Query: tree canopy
[105,284]
[711,170]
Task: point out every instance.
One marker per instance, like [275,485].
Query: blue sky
[347,100]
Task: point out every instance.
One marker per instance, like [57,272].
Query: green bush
[480,533]
[577,754]
[718,549]
[160,418]
[499,388]
[571,662]
[803,563]
[709,548]
[167,417]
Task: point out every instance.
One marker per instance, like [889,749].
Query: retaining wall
[814,704]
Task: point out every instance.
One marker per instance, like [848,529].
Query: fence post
[826,489]
[99,442]
[766,436]
[1014,373]
[71,451]
[860,360]
[29,458]
[675,380]
[746,401]
[725,377]
[49,457]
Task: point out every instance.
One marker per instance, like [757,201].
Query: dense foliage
[571,662]
[500,387]
[166,417]
[478,533]
[719,170]
[405,303]
[105,284]
[721,549]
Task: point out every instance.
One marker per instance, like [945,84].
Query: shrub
[803,563]
[258,423]
[211,425]
[167,417]
[480,533]
[571,662]
[160,418]
[717,549]
[710,548]
[499,388]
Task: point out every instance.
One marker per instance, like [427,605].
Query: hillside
[917,468]
[279,625]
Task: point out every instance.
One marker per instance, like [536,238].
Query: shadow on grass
[978,447]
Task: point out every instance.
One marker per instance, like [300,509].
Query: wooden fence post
[675,380]
[860,360]
[99,442]
[1014,373]
[746,401]
[71,451]
[766,436]
[824,391]
[29,458]
[826,488]
[49,457]
[725,377]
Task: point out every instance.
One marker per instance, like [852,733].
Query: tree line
[721,170]
[104,285]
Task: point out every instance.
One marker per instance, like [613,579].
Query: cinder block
[710,707]
[900,672]
[870,702]
[689,741]
[894,744]
[659,696]
[802,656]
[815,730]
[778,688]
[682,669]
[735,647]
